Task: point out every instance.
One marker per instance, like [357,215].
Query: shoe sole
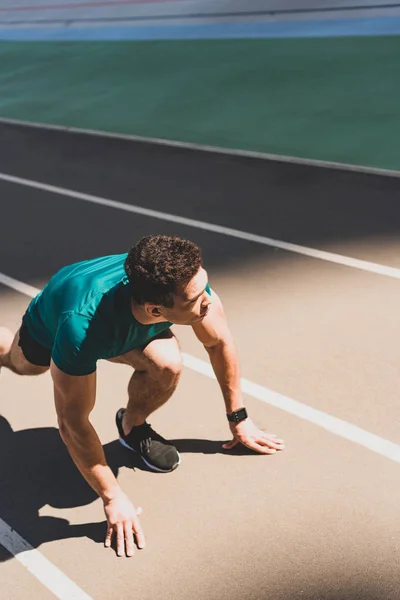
[149,465]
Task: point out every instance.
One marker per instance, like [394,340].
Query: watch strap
[237,415]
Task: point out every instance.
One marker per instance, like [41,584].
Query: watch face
[238,415]
[241,414]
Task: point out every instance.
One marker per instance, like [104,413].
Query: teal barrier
[332,99]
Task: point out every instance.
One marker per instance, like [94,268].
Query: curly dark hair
[158,265]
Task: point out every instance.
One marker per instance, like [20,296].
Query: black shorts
[34,352]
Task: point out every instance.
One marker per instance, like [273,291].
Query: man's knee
[166,363]
[173,367]
[169,369]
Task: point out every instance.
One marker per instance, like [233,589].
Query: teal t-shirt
[84,314]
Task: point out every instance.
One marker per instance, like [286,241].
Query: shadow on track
[36,469]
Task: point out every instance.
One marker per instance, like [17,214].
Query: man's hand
[122,519]
[249,435]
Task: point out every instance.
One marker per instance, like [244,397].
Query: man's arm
[74,400]
[213,332]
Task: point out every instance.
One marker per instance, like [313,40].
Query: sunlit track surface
[319,521]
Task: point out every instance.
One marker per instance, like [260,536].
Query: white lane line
[204,148]
[338,427]
[41,568]
[339,259]
[19,286]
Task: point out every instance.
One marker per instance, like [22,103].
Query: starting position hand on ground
[249,435]
[123,521]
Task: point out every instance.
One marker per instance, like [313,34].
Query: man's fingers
[120,540]
[264,443]
[107,541]
[274,438]
[277,444]
[140,541]
[230,445]
[261,449]
[257,444]
[130,550]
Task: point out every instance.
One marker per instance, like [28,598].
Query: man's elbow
[215,346]
[65,428]
[70,427]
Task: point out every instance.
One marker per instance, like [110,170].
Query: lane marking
[309,162]
[19,286]
[339,259]
[332,424]
[41,568]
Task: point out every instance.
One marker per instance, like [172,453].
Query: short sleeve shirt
[84,314]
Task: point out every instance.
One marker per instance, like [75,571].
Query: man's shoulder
[83,284]
[110,267]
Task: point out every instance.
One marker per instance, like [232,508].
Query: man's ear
[152,310]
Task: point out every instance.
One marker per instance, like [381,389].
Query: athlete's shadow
[35,470]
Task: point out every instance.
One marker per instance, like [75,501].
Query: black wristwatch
[237,415]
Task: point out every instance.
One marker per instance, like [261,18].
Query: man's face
[192,303]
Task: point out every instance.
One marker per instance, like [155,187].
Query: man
[121,308]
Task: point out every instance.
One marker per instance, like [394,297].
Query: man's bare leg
[12,357]
[157,371]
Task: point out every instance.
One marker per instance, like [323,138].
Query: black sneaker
[158,454]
